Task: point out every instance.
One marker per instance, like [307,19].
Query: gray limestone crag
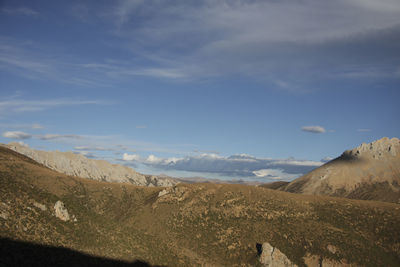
[61,212]
[273,257]
[78,165]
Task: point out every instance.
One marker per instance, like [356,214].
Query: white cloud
[274,174]
[313,129]
[153,159]
[16,135]
[128,157]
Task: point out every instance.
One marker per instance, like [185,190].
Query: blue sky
[259,90]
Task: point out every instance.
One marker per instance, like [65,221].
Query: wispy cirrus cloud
[183,40]
[24,135]
[213,38]
[15,61]
[24,105]
[31,60]
[97,148]
[59,136]
[313,129]
[37,126]
[152,72]
[33,126]
[26,11]
[116,143]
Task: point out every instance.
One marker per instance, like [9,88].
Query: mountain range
[48,218]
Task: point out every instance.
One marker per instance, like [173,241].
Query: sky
[236,90]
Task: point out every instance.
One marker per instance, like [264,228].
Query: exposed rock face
[163,192]
[380,149]
[172,194]
[273,257]
[61,212]
[369,171]
[153,180]
[78,165]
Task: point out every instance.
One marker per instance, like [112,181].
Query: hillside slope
[78,165]
[370,172]
[185,225]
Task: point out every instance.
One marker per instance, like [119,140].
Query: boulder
[273,257]
[40,206]
[61,212]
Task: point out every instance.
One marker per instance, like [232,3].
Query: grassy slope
[193,224]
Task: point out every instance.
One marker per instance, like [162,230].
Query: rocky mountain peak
[378,149]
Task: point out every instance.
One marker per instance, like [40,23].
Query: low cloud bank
[240,165]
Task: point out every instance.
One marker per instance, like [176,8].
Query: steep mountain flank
[370,172]
[78,165]
[114,224]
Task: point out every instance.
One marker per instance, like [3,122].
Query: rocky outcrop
[379,149]
[78,165]
[273,257]
[40,206]
[61,212]
[369,171]
[153,180]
